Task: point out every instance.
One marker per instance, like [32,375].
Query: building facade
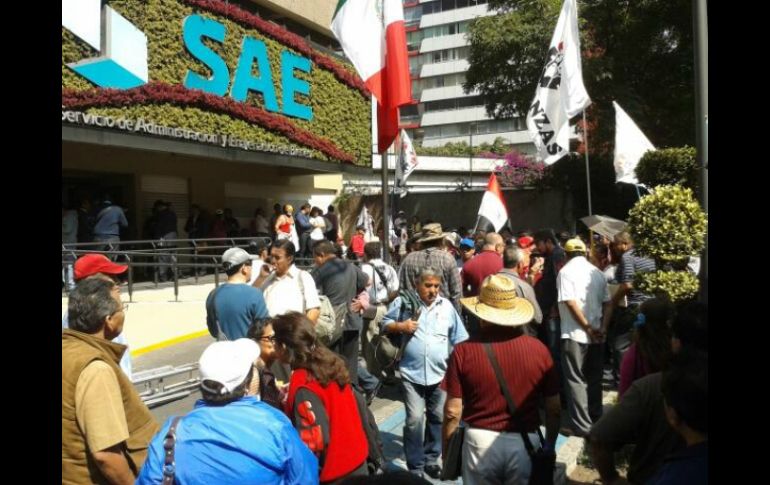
[438,59]
[222,104]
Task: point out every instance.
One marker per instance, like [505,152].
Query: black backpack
[376,459]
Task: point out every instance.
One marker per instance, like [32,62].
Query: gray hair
[429,273]
[90,303]
[512,256]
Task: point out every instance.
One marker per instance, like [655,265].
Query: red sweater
[347,447]
[479,267]
[357,245]
[528,369]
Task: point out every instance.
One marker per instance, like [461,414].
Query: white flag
[407,162]
[560,94]
[365,219]
[630,145]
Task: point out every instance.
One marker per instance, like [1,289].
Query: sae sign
[196,27]
[123,60]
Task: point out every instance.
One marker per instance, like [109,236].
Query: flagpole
[385,253]
[588,174]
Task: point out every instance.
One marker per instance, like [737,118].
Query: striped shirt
[630,264]
[528,370]
[441,261]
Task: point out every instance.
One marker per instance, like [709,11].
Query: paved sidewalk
[154,320]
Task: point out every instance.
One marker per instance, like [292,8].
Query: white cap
[228,363]
[235,256]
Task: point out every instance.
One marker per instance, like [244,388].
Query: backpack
[376,458]
[331,321]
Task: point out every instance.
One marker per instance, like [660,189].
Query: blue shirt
[690,466]
[303,221]
[238,305]
[426,354]
[109,220]
[244,442]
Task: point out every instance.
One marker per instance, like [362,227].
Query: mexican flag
[372,35]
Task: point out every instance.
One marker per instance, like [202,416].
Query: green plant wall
[341,113]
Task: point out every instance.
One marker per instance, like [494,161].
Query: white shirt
[283,295]
[256,267]
[318,228]
[380,289]
[581,281]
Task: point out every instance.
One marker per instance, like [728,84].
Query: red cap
[526,241]
[91,264]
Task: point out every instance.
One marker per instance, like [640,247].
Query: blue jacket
[243,442]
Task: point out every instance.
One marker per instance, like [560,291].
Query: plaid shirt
[441,261]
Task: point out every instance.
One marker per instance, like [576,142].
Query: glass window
[431,7]
[409,111]
[412,14]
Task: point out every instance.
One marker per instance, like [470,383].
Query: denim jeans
[422,440]
[366,380]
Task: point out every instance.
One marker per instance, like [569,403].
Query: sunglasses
[269,338]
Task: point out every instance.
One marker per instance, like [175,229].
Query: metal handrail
[179,257]
[160,247]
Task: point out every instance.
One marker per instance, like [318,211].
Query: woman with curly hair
[320,400]
[651,347]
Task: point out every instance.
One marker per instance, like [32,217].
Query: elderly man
[496,450]
[513,259]
[105,425]
[230,436]
[583,295]
[99,265]
[232,307]
[432,330]
[431,255]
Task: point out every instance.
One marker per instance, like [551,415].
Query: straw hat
[497,303]
[431,232]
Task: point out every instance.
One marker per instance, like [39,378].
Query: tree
[669,166]
[638,52]
[669,226]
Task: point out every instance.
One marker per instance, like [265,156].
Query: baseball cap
[91,264]
[525,241]
[235,256]
[467,242]
[227,363]
[575,246]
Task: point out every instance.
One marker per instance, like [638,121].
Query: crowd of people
[483,330]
